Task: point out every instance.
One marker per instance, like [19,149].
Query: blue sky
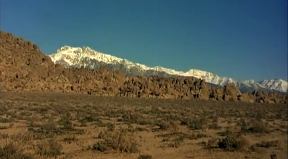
[243,39]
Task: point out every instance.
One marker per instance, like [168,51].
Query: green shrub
[89,118]
[70,139]
[65,122]
[46,130]
[228,143]
[163,125]
[194,124]
[100,146]
[253,127]
[267,144]
[176,142]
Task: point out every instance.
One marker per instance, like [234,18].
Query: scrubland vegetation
[63,126]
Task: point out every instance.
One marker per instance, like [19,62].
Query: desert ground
[70,126]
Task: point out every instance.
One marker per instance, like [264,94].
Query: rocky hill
[23,67]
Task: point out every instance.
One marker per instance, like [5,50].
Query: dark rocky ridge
[23,67]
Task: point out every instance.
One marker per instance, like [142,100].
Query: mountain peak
[63,48]
[73,55]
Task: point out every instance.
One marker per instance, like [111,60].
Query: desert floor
[57,125]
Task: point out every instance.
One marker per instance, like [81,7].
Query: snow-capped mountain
[87,57]
[278,84]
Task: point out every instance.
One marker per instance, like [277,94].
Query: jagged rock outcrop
[23,67]
[231,93]
[173,87]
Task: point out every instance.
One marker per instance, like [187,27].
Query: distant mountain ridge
[89,58]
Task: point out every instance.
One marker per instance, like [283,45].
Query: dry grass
[120,140]
[82,126]
[11,151]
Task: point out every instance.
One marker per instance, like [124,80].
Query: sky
[242,39]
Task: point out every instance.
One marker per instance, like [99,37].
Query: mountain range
[24,68]
[89,58]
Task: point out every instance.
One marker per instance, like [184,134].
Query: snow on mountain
[74,56]
[252,83]
[277,84]
[87,57]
